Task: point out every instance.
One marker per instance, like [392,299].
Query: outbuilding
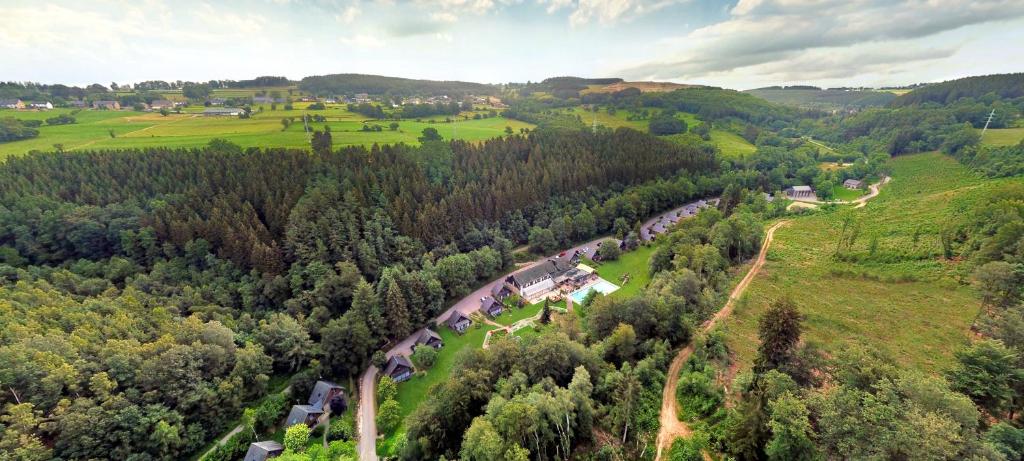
[262,451]
[458,321]
[398,368]
[429,338]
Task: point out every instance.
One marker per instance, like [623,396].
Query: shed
[398,368]
[429,338]
[490,306]
[458,321]
[329,395]
[853,184]
[303,414]
[261,451]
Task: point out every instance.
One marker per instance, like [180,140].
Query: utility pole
[987,121]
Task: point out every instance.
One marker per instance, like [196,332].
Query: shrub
[424,357]
[296,438]
[342,428]
[388,416]
[387,389]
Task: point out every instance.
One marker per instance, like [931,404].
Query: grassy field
[902,298]
[1003,136]
[264,129]
[634,263]
[842,193]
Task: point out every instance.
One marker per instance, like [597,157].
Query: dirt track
[671,426]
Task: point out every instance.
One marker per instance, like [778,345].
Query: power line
[989,120]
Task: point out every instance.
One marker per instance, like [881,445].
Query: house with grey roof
[330,396]
[458,321]
[158,104]
[429,338]
[499,291]
[11,104]
[853,184]
[106,105]
[538,279]
[222,111]
[304,414]
[800,192]
[399,368]
[490,306]
[262,451]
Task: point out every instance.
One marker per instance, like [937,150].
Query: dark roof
[455,318]
[549,268]
[488,304]
[300,413]
[260,451]
[320,391]
[427,335]
[852,182]
[498,289]
[395,363]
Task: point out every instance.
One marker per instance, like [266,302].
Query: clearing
[893,290]
[1003,136]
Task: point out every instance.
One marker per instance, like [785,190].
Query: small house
[216,101]
[47,105]
[304,414]
[11,104]
[499,291]
[261,451]
[159,104]
[429,338]
[398,368]
[330,396]
[106,105]
[800,192]
[79,103]
[222,111]
[854,184]
[458,321]
[490,306]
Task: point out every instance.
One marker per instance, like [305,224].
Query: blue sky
[737,44]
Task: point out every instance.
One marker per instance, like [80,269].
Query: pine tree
[396,312]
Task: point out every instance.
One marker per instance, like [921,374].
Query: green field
[1003,136]
[731,144]
[842,193]
[264,129]
[634,263]
[903,298]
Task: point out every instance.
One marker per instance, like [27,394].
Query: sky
[737,44]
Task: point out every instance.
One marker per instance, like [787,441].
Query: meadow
[264,129]
[731,144]
[1003,136]
[892,290]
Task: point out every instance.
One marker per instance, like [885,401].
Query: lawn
[412,392]
[901,298]
[512,315]
[1003,136]
[731,144]
[634,263]
[842,193]
[263,129]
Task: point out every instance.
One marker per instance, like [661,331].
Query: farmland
[264,129]
[896,293]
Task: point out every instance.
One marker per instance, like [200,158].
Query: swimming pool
[602,286]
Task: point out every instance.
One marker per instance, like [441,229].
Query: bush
[233,449]
[296,438]
[424,357]
[342,428]
[62,119]
[609,251]
[388,416]
[387,389]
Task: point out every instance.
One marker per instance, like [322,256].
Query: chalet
[429,338]
[458,321]
[158,104]
[261,451]
[222,111]
[800,192]
[853,184]
[11,104]
[304,414]
[398,368]
[216,101]
[490,306]
[106,105]
[537,279]
[41,105]
[79,103]
[499,291]
[330,396]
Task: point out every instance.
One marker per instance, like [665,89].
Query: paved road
[671,426]
[366,419]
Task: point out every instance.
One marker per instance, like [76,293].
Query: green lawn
[512,315]
[1003,136]
[263,129]
[841,193]
[634,263]
[902,299]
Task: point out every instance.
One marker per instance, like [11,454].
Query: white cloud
[777,34]
[605,11]
[349,14]
[363,41]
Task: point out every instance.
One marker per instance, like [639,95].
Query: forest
[336,84]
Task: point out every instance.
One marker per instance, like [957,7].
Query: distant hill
[644,87]
[1005,86]
[379,84]
[817,98]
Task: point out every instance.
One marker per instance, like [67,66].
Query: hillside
[1006,86]
[338,84]
[824,99]
[644,87]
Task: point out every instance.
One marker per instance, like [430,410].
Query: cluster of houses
[667,220]
[22,105]
[326,398]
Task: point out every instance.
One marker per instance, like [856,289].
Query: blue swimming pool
[602,286]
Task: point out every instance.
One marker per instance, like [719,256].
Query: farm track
[671,426]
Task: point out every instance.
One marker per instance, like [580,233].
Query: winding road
[671,426]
